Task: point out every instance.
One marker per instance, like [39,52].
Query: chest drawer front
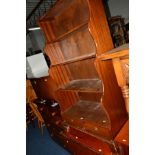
[55,120]
[73,146]
[78,149]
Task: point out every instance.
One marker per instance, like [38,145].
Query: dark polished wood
[122,139]
[123,135]
[88,85]
[44,87]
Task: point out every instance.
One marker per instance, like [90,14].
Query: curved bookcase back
[79,45]
[64,18]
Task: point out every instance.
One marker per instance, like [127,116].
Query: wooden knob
[104,121]
[57,122]
[53,113]
[100,150]
[95,128]
[81,118]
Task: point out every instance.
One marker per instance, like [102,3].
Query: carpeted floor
[38,144]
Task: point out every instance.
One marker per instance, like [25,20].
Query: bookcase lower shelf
[88,116]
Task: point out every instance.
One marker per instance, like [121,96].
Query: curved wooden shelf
[88,110]
[84,85]
[70,32]
[79,58]
[88,116]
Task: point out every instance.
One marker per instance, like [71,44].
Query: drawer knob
[57,122]
[104,121]
[100,150]
[95,128]
[53,113]
[124,140]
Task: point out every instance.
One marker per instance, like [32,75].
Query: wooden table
[120,59]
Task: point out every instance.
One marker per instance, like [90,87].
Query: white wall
[119,7]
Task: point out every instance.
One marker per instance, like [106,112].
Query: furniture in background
[30,97]
[30,116]
[127,32]
[44,87]
[119,31]
[50,111]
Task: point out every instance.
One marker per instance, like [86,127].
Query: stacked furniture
[44,87]
[91,103]
[30,97]
[51,114]
[30,94]
[118,30]
[30,116]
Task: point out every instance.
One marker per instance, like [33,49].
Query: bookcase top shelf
[64,18]
[71,31]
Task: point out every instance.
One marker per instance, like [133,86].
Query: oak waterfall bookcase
[77,33]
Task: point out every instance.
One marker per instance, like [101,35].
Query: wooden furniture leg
[39,117]
[121,80]
[125,92]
